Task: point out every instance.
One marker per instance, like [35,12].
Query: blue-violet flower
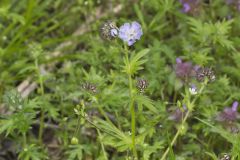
[184,70]
[190,6]
[130,32]
[229,114]
[193,89]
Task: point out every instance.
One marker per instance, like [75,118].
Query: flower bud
[74,141]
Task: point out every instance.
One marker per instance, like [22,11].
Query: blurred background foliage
[63,37]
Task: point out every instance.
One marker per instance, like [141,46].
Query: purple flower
[186,7]
[190,6]
[178,114]
[229,114]
[130,32]
[184,70]
[193,89]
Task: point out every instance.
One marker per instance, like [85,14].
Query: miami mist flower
[228,118]
[193,89]
[229,114]
[184,70]
[130,32]
[108,30]
[205,72]
[190,6]
[142,84]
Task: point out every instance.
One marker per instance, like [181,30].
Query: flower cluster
[142,84]
[190,6]
[89,87]
[128,32]
[229,114]
[184,70]
[205,72]
[108,30]
[193,89]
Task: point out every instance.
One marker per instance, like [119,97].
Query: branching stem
[190,109]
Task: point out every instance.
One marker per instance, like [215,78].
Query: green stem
[176,136]
[78,126]
[132,109]
[102,146]
[190,109]
[24,140]
[133,119]
[40,81]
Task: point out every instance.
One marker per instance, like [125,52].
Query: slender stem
[78,126]
[133,119]
[24,140]
[102,146]
[40,81]
[132,109]
[183,121]
[176,136]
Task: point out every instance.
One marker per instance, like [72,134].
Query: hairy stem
[132,109]
[40,81]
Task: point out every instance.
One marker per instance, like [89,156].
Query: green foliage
[135,63]
[50,50]
[24,113]
[32,152]
[115,137]
[211,33]
[75,152]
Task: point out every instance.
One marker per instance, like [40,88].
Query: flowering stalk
[130,33]
[131,104]
[190,109]
[40,81]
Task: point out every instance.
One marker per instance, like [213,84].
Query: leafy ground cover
[119,79]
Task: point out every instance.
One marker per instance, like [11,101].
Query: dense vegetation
[119,79]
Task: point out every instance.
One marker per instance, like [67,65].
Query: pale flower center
[131,34]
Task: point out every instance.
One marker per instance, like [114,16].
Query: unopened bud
[74,141]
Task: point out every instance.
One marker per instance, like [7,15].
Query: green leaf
[75,152]
[136,62]
[114,136]
[6,126]
[212,155]
[32,152]
[145,101]
[171,154]
[212,33]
